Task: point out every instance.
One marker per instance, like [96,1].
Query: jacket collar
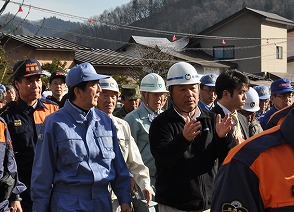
[79,115]
[23,106]
[142,112]
[174,114]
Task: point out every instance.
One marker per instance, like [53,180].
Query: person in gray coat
[154,96]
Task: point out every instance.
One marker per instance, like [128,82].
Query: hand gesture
[191,129]
[224,126]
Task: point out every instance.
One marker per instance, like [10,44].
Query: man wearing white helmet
[249,110]
[154,96]
[186,143]
[140,173]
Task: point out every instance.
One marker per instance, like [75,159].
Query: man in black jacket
[231,87]
[24,119]
[186,143]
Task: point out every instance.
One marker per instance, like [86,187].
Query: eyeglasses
[284,95]
[162,95]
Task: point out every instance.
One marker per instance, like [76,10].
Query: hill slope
[177,16]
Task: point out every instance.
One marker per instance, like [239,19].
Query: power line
[51,11]
[4,6]
[139,29]
[168,46]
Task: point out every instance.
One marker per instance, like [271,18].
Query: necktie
[236,125]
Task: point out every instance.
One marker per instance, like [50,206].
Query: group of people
[7,94]
[176,145]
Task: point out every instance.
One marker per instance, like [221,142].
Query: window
[279,52]
[224,52]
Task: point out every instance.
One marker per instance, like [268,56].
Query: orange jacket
[258,175]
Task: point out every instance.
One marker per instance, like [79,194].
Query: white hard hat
[182,73]
[153,83]
[109,84]
[252,101]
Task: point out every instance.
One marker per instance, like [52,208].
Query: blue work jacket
[79,150]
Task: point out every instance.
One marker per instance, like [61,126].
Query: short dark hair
[230,80]
[71,93]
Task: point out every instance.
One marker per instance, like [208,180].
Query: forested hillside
[112,29]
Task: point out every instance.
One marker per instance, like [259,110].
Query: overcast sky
[81,8]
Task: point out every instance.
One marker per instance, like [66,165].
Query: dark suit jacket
[242,120]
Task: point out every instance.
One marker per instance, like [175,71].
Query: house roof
[152,42]
[271,17]
[105,57]
[261,14]
[149,41]
[45,42]
[99,57]
[177,50]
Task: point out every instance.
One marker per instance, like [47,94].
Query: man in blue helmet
[281,97]
[207,94]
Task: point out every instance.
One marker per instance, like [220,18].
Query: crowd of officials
[187,143]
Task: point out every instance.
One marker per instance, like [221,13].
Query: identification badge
[17,123]
[40,137]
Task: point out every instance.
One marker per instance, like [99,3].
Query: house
[255,40]
[45,49]
[252,41]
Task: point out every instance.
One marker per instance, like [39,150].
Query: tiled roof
[46,42]
[106,57]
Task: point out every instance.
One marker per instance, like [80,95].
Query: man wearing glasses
[207,92]
[281,97]
[264,100]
